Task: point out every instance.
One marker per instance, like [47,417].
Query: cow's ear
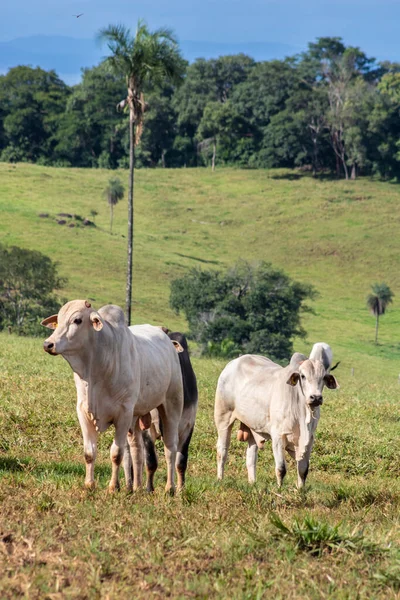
[96,321]
[50,322]
[177,345]
[293,379]
[331,382]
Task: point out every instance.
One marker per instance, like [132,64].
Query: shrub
[246,309]
[27,283]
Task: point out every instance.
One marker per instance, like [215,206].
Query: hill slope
[340,236]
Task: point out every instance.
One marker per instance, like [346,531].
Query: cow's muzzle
[315,401]
[49,347]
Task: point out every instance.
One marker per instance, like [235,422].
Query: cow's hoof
[90,485]
[170,490]
[113,488]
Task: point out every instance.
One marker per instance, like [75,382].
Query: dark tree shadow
[202,260]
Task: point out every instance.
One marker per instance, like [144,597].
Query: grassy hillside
[215,540]
[340,236]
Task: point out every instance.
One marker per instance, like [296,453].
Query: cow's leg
[182,457]
[128,468]
[224,439]
[251,458]
[223,418]
[89,435]
[170,415]
[135,441]
[279,456]
[303,465]
[151,459]
[117,448]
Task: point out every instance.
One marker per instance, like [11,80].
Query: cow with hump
[272,402]
[121,373]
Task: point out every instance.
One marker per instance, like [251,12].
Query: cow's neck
[102,370]
[80,363]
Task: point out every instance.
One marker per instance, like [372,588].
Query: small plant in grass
[378,302]
[315,537]
[389,577]
[93,214]
[45,503]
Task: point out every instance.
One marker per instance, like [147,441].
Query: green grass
[338,539]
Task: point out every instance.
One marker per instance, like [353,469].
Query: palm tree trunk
[128,301]
[111,216]
[376,329]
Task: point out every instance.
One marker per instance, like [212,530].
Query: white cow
[272,402]
[121,373]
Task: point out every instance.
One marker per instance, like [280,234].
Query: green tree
[206,81]
[27,283]
[218,121]
[156,144]
[258,99]
[140,58]
[345,75]
[247,309]
[114,192]
[90,132]
[384,125]
[31,101]
[378,301]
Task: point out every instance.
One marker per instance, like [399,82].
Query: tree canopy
[247,309]
[330,108]
[28,280]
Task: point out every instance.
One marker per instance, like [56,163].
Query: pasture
[338,539]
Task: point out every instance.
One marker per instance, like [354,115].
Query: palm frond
[115,36]
[379,299]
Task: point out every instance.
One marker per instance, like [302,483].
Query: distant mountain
[68,55]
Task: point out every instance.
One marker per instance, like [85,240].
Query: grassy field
[214,540]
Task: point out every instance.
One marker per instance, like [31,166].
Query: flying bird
[77,16]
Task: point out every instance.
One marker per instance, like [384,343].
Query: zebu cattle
[272,402]
[121,373]
[186,423]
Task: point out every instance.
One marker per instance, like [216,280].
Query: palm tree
[378,302]
[144,58]
[114,192]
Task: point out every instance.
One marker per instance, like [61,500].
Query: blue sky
[286,25]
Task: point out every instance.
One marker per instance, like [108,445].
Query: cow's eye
[77,321]
[303,376]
